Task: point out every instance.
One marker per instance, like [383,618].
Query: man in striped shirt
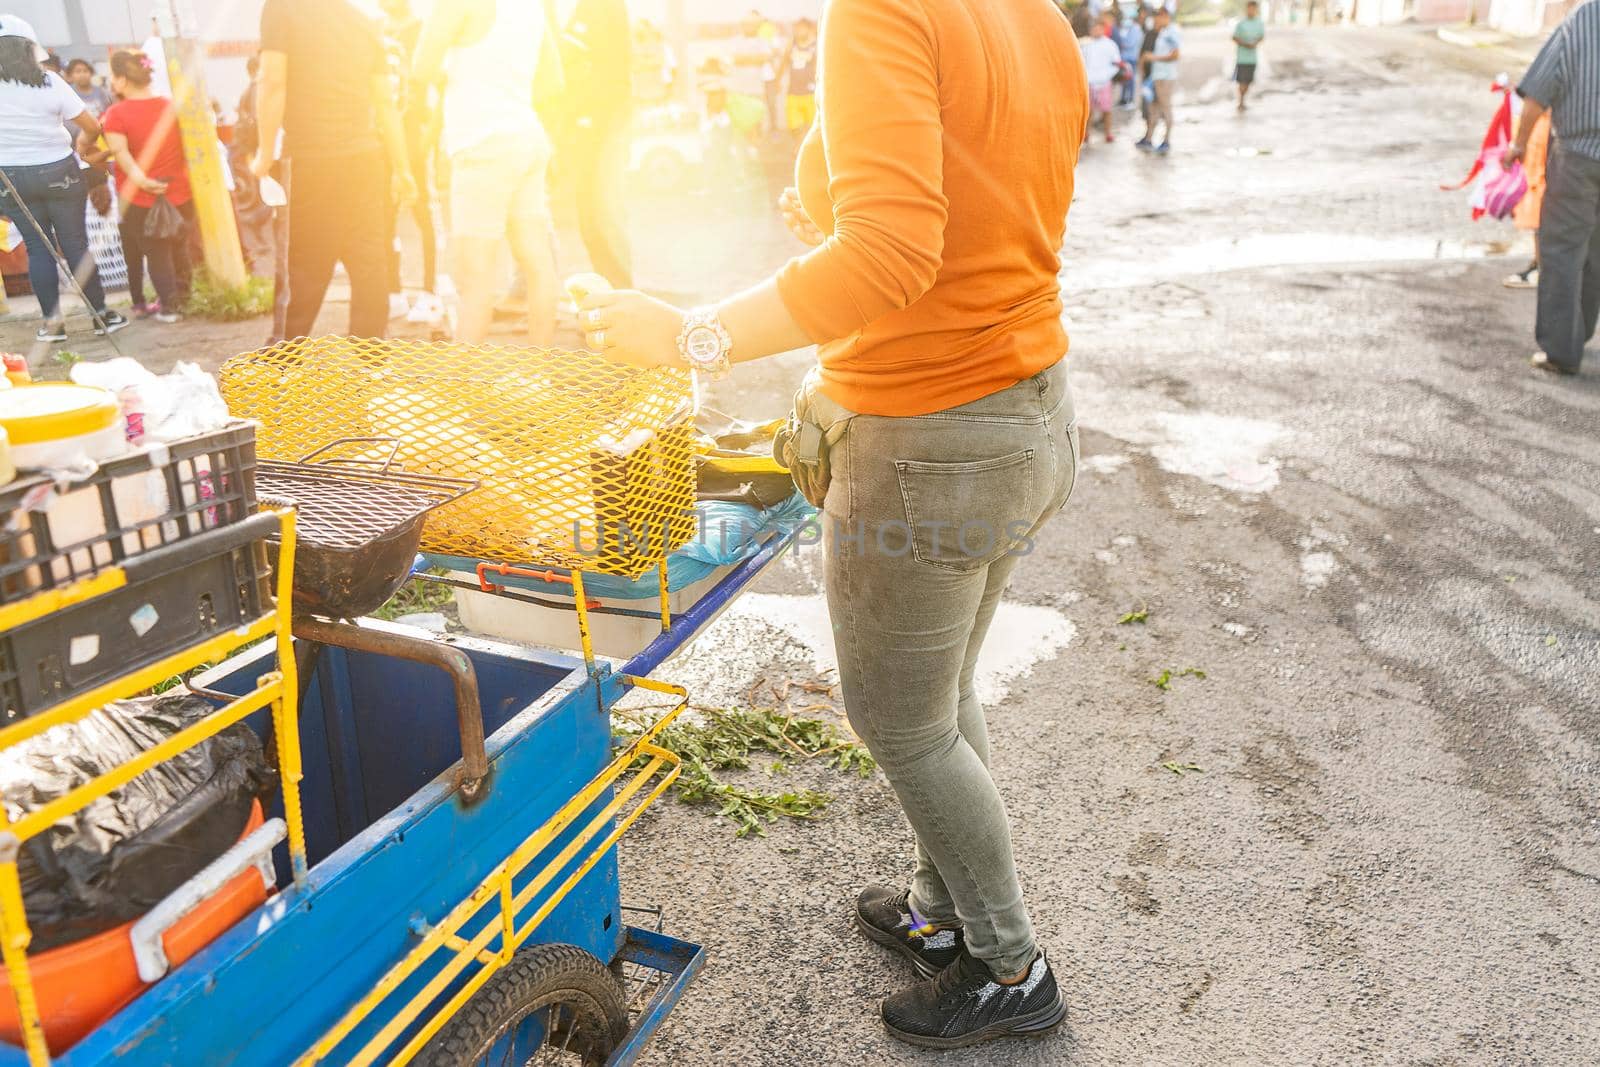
[1565,80]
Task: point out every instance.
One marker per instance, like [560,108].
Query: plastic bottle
[16,368]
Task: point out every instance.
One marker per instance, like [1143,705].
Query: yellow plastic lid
[54,411]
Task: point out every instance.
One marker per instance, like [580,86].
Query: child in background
[1102,60]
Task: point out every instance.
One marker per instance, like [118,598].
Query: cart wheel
[553,1004]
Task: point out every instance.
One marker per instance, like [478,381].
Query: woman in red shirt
[142,130]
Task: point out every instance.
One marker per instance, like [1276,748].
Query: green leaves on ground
[1140,616]
[723,740]
[1164,680]
[1181,769]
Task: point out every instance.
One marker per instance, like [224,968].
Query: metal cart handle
[254,851]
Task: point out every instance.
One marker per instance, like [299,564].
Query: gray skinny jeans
[924,522]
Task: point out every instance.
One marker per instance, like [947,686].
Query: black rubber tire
[536,978]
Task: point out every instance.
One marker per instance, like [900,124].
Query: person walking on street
[45,193]
[1247,35]
[142,130]
[323,82]
[1164,53]
[1564,79]
[1129,36]
[1101,63]
[935,189]
[1141,66]
[486,54]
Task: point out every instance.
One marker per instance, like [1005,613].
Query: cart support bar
[453,661]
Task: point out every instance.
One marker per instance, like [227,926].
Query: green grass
[210,299]
[415,597]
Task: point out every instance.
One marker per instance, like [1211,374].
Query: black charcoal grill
[358,524]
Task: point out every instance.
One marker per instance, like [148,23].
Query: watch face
[703,345]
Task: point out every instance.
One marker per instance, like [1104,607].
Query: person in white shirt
[1102,60]
[44,192]
[486,54]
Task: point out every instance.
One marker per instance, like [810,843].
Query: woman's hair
[132,64]
[19,64]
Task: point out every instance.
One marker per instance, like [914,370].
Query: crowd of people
[1131,56]
[350,125]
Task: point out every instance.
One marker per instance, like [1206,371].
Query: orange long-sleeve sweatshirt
[940,167]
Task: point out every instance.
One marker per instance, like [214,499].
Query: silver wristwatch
[705,343]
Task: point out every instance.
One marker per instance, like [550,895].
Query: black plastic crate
[176,597]
[208,481]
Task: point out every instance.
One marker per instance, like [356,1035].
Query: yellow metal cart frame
[276,690]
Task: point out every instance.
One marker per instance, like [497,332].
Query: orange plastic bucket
[81,985]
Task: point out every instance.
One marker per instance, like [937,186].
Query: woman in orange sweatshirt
[934,187]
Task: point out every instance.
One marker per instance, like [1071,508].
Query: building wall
[1528,18]
[1443,10]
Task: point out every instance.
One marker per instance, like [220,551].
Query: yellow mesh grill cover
[580,463]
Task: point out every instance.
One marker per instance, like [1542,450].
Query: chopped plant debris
[723,740]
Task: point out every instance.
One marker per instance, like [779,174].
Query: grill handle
[392,442]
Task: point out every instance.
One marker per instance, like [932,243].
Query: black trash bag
[163,222]
[117,858]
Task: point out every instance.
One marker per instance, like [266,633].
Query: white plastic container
[56,426]
[60,428]
[619,636]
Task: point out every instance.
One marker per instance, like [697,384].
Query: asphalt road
[1315,452]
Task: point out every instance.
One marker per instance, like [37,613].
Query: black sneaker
[51,332]
[110,322]
[887,918]
[964,1005]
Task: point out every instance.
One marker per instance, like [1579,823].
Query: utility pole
[212,204]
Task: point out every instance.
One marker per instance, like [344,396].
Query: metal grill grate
[344,508]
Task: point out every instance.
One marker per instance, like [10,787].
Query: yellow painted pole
[213,205]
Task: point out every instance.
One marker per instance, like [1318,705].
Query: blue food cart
[440,866]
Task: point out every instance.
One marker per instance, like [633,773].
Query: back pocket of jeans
[964,516]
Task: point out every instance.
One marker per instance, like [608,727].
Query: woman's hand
[151,185]
[795,217]
[626,326]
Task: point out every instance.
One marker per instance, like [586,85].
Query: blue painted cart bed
[395,847]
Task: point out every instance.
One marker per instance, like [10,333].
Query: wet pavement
[1315,453]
